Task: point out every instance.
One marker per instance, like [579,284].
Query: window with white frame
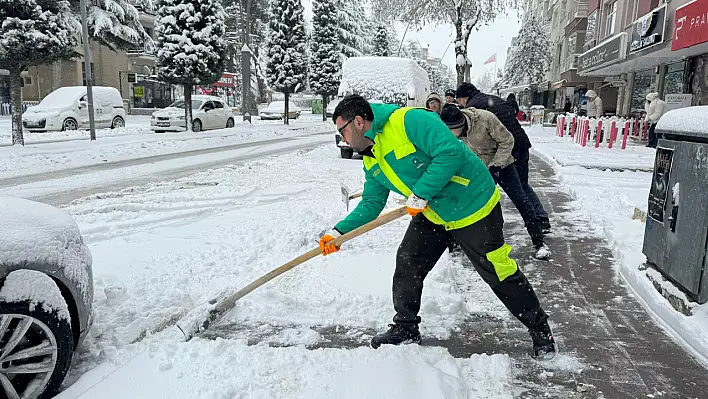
[610,17]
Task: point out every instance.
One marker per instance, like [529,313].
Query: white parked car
[46,297]
[66,108]
[208,112]
[276,110]
[331,106]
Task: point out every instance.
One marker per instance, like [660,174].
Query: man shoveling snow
[450,195]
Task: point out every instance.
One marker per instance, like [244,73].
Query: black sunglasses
[345,126]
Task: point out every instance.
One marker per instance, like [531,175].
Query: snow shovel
[346,196]
[202,317]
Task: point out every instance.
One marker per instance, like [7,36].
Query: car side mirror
[82,104]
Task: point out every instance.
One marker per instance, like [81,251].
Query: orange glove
[415,205]
[329,248]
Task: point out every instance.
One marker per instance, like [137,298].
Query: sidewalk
[609,346]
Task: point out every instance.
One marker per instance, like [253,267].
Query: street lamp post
[87,63]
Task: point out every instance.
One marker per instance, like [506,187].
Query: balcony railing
[569,63]
[149,49]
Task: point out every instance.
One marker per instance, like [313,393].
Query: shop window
[644,83]
[699,80]
[590,32]
[610,18]
[674,82]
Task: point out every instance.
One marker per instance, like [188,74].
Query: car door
[220,114]
[83,112]
[209,110]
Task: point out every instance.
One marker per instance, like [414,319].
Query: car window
[208,105]
[218,104]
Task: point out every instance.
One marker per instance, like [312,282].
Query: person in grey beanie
[487,137]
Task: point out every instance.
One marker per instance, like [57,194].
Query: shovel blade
[345,196]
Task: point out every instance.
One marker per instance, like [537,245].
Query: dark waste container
[676,232]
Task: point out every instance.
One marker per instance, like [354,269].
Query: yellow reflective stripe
[477,216]
[460,180]
[404,150]
[504,266]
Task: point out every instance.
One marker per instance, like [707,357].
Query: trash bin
[676,232]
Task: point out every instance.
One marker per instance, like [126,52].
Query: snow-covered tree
[33,32]
[530,59]
[383,44]
[115,23]
[287,49]
[325,61]
[190,45]
[412,50]
[486,82]
[354,26]
[464,15]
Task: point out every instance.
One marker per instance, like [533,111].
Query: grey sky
[491,39]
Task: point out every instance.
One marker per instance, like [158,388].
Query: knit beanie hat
[466,90]
[452,117]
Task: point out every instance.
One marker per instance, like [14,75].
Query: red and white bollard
[625,134]
[598,134]
[613,134]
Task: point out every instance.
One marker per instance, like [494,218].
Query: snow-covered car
[344,149]
[46,292]
[276,110]
[331,106]
[208,112]
[66,108]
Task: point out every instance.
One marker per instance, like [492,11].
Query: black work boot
[544,346]
[542,251]
[396,335]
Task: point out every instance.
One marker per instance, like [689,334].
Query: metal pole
[87,63]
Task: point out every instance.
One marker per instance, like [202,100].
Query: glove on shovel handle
[204,316]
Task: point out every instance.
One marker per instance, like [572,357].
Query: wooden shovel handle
[229,301]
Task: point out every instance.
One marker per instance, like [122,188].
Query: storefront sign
[648,30]
[690,25]
[660,184]
[226,80]
[606,53]
[138,91]
[674,101]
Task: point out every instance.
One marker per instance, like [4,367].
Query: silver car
[46,292]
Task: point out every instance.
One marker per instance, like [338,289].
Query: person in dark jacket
[469,96]
[568,106]
[511,99]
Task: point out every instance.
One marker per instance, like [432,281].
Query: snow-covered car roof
[64,96]
[374,77]
[204,97]
[279,106]
[33,232]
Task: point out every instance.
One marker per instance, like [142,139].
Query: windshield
[196,104]
[62,97]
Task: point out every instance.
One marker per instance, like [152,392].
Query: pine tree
[190,45]
[116,23]
[287,49]
[383,42]
[530,59]
[33,32]
[325,64]
[353,23]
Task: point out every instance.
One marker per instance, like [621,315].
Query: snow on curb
[37,288]
[691,333]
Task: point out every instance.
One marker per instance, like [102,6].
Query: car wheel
[118,123]
[230,123]
[36,347]
[69,124]
[196,126]
[346,153]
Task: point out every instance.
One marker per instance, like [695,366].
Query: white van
[388,80]
[385,79]
[66,108]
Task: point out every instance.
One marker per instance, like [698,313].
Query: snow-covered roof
[366,75]
[33,232]
[691,120]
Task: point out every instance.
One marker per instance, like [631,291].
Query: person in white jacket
[655,108]
[595,109]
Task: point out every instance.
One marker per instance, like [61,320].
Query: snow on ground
[164,248]
[64,150]
[608,198]
[134,124]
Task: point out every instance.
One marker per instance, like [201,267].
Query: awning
[557,85]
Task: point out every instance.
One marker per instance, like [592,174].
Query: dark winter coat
[505,113]
[511,99]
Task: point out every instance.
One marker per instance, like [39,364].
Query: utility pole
[87,63]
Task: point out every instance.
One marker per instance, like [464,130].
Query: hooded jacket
[487,137]
[595,107]
[415,153]
[504,112]
[655,108]
[434,96]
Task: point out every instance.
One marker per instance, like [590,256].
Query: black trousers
[653,137]
[483,243]
[522,168]
[511,184]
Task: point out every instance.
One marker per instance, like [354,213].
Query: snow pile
[385,79]
[37,288]
[36,233]
[227,369]
[693,120]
